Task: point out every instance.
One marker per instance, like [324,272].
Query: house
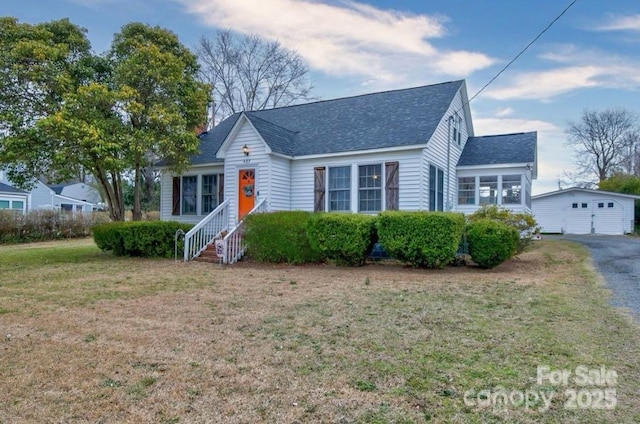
[77,190]
[410,149]
[582,211]
[41,196]
[13,199]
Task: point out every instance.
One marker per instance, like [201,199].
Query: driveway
[617,258]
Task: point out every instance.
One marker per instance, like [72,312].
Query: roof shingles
[500,149]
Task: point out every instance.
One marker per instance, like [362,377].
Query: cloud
[579,69]
[346,37]
[621,23]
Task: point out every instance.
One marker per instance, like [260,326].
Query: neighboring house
[582,211]
[13,199]
[411,149]
[78,190]
[41,196]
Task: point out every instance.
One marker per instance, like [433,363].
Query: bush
[423,239]
[491,242]
[342,238]
[148,239]
[43,225]
[524,223]
[280,237]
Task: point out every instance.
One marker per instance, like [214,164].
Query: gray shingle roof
[500,149]
[5,188]
[371,121]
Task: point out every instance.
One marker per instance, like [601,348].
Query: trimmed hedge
[342,238]
[423,239]
[491,242]
[150,239]
[42,225]
[280,237]
[524,223]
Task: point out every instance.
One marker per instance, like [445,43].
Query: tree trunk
[137,210]
[111,191]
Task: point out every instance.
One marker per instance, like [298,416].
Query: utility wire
[520,54]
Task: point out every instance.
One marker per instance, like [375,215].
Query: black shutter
[318,189]
[176,196]
[392,186]
[220,188]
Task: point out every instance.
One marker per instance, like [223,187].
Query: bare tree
[602,141]
[250,73]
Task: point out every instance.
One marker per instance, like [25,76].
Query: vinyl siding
[302,189]
[436,154]
[166,193]
[235,160]
[82,191]
[280,184]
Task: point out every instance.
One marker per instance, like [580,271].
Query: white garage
[583,211]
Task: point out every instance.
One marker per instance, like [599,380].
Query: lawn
[88,337]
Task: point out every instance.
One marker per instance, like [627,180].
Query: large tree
[602,141]
[250,73]
[67,109]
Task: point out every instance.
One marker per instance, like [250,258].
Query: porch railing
[233,243]
[212,226]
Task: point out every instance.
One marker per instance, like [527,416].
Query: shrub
[140,238]
[491,242]
[280,237]
[524,223]
[423,239]
[342,238]
[42,225]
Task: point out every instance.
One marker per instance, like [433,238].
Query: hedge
[423,239]
[280,237]
[524,223]
[491,242]
[148,239]
[342,238]
[43,225]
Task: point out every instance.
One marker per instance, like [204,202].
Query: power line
[520,54]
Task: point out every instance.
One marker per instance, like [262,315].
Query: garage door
[578,219]
[608,217]
[597,216]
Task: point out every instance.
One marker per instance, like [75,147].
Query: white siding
[235,160]
[409,177]
[444,154]
[42,197]
[166,193]
[280,184]
[556,214]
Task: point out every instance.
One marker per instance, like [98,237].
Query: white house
[582,211]
[411,149]
[13,199]
[78,190]
[41,196]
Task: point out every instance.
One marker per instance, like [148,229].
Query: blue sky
[589,59]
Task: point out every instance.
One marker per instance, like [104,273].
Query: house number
[246,161]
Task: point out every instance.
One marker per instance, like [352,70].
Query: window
[436,188]
[511,189]
[457,134]
[211,192]
[600,205]
[369,188]
[574,205]
[610,204]
[340,188]
[488,190]
[584,206]
[4,204]
[189,195]
[467,190]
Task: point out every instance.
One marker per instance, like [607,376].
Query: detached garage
[583,211]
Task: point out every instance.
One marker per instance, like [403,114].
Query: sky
[589,59]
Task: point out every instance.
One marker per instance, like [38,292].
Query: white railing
[197,239]
[233,243]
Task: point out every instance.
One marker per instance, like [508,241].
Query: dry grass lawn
[88,337]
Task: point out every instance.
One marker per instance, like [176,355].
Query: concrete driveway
[617,258]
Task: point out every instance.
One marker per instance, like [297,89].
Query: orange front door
[246,191]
